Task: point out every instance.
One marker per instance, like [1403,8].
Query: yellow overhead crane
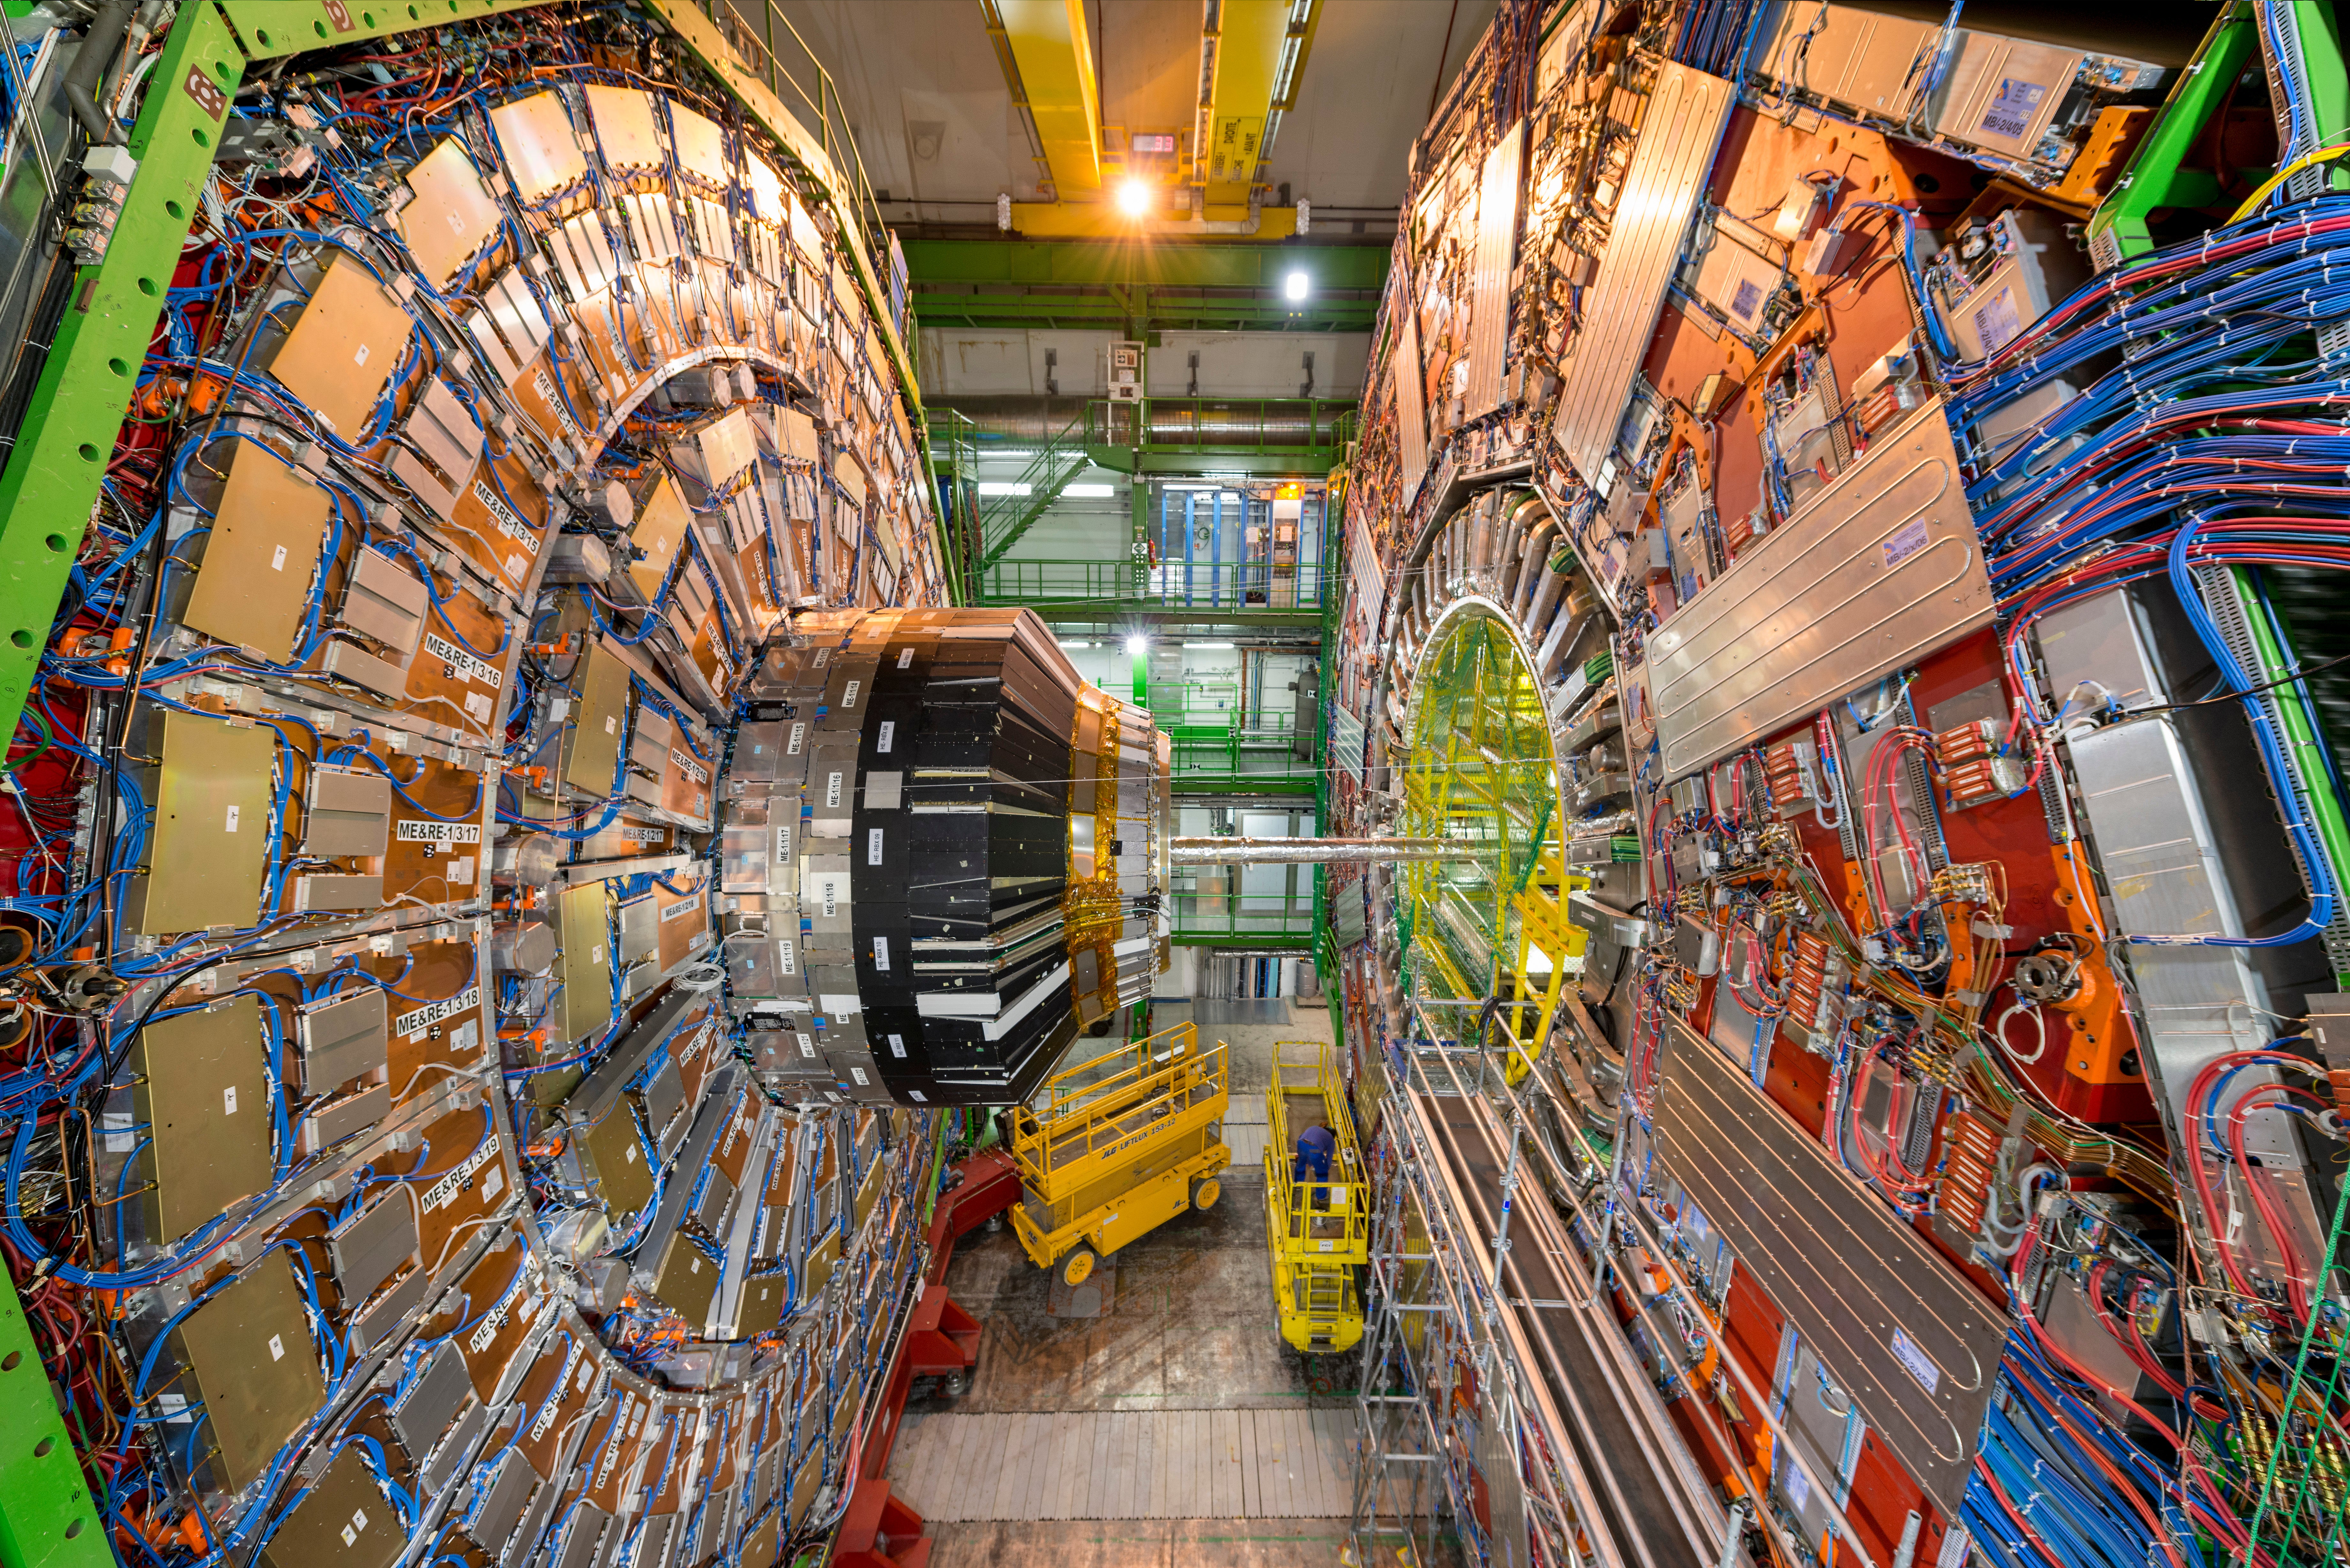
[1118,1147]
[1317,1220]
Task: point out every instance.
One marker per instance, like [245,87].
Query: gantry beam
[1053,77]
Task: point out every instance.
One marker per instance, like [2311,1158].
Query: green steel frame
[1141,288]
[2155,178]
[47,1518]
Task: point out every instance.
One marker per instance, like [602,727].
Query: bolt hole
[89,452]
[73,1530]
[10,1362]
[202,139]
[147,286]
[21,639]
[117,367]
[57,543]
[176,209]
[41,1449]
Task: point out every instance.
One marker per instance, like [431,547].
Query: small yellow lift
[1318,1228]
[1118,1146]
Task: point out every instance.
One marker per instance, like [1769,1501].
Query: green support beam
[47,1519]
[52,478]
[1143,288]
[2155,178]
[272,29]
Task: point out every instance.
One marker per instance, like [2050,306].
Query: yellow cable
[2252,202]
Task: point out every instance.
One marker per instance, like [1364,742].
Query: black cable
[2303,673]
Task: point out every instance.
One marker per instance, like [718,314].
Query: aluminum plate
[1912,1342]
[1685,118]
[1880,568]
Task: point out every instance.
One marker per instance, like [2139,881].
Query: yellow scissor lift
[1316,1230]
[1118,1147]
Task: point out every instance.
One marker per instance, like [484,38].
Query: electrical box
[1126,372]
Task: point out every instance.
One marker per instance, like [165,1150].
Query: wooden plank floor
[1289,1463]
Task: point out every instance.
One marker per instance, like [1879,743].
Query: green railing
[1215,918]
[954,464]
[1235,585]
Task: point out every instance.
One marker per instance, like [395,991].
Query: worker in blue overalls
[1316,1146]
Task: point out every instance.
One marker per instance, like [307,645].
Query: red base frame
[941,1340]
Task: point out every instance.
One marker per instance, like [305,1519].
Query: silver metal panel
[1881,568]
[367,1248]
[1489,285]
[1846,55]
[2155,842]
[1412,397]
[1685,118]
[1901,1332]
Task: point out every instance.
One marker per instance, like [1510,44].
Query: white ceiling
[920,76]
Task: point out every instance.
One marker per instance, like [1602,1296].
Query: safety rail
[1236,587]
[1325,1219]
[1114,1102]
[1215,918]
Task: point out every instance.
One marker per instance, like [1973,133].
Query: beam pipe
[1226,851]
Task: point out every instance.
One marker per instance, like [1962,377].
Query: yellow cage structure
[1317,1231]
[1115,1148]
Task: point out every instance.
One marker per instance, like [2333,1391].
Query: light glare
[1134,198]
[1295,284]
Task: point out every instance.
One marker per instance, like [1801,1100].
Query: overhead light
[1003,214]
[1305,215]
[1294,286]
[1093,491]
[1133,198]
[1002,487]
[1076,647]
[1137,645]
[1212,647]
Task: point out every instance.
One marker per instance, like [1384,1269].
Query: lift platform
[1316,1229]
[1117,1147]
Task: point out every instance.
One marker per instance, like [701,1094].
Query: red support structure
[941,1340]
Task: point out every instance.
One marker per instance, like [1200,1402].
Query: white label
[504,516]
[232,814]
[461,871]
[2012,106]
[905,658]
[495,1320]
[612,724]
[438,832]
[919,1098]
[595,953]
[277,559]
[693,1264]
[1327,1244]
[783,841]
[689,767]
[359,1519]
[461,664]
[799,733]
[350,1537]
[493,1180]
[881,954]
[681,910]
[628,1155]
[848,693]
[1916,1362]
[882,742]
[858,1073]
[433,1013]
[788,958]
[808,1046]
[552,398]
[477,704]
[444,1191]
[873,847]
[831,794]
[898,1046]
[456,221]
[516,567]
[276,1347]
[362,357]
[228,1100]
